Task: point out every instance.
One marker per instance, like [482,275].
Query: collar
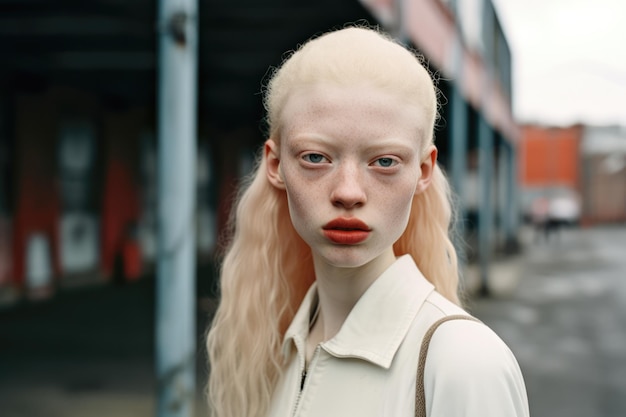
[379,321]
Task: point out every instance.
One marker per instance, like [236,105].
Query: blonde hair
[268,267]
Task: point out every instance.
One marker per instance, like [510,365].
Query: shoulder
[465,343]
[467,361]
[468,345]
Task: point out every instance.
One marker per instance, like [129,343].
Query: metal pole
[398,26]
[508,188]
[458,145]
[485,174]
[503,191]
[514,187]
[175,298]
[458,164]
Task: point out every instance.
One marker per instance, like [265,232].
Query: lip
[345,223]
[346,231]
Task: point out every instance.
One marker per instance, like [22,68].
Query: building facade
[77,124]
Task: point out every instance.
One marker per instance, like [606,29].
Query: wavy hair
[267,267]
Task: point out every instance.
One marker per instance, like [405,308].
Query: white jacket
[369,367]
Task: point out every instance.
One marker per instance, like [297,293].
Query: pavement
[87,352]
[565,320]
[560,306]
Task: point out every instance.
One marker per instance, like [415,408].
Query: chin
[346,257]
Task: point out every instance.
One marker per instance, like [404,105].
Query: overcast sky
[569,60]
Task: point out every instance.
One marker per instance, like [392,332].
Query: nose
[348,189]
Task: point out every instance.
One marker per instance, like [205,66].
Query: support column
[485,211]
[458,164]
[175,298]
[508,204]
[502,191]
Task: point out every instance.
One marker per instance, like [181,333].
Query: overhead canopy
[108,47]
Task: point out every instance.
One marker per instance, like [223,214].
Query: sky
[569,60]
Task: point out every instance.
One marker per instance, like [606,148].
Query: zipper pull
[302,380]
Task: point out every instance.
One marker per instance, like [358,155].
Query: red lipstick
[346,231]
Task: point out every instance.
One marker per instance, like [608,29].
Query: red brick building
[550,156]
[549,165]
[586,162]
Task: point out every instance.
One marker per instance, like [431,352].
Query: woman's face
[350,160]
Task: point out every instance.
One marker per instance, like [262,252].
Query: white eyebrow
[390,144]
[313,139]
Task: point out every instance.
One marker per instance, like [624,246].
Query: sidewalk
[88,352]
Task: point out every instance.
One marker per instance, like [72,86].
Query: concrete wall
[603,154]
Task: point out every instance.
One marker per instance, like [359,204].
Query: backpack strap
[420,396]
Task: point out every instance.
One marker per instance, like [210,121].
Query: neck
[339,289]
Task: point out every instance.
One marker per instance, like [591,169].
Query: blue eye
[385,162]
[314,158]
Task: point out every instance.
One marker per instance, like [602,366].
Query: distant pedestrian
[540,212]
[340,259]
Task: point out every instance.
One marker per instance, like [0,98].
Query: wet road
[566,323]
[89,352]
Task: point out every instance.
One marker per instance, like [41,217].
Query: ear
[272,164]
[427,167]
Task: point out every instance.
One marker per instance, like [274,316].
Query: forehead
[355,110]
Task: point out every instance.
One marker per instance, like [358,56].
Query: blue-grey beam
[458,163]
[176,298]
[485,204]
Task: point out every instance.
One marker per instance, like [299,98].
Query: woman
[341,260]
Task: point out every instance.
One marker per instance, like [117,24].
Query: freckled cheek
[398,215]
[296,204]
[397,209]
[303,218]
[302,198]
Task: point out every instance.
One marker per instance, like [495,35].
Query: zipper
[303,376]
[302,380]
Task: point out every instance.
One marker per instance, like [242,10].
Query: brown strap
[420,396]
